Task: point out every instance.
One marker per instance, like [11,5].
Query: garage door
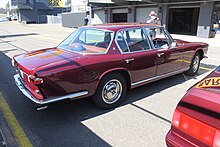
[142,14]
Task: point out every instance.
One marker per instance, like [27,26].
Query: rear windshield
[88,41]
[218,69]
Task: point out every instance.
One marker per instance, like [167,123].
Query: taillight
[196,129]
[36,81]
[216,142]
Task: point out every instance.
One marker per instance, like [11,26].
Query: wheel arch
[201,53]
[122,71]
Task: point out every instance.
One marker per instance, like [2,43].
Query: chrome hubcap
[112,91]
[195,64]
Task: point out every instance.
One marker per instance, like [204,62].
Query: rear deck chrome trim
[22,88]
[158,77]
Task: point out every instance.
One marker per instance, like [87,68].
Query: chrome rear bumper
[48,100]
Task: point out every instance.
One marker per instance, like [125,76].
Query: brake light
[196,129]
[216,142]
[36,81]
[176,119]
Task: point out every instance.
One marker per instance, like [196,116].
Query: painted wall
[28,15]
[99,17]
[142,14]
[205,19]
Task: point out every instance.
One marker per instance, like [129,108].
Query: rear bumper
[25,91]
[174,140]
[178,138]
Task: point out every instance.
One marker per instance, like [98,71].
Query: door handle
[128,60]
[160,54]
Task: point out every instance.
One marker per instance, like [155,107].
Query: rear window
[218,69]
[88,41]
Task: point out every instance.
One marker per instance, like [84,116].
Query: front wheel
[194,67]
[111,91]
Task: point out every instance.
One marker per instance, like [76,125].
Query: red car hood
[40,58]
[202,101]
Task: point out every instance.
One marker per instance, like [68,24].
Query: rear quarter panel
[77,75]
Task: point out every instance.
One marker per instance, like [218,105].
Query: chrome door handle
[160,54]
[128,60]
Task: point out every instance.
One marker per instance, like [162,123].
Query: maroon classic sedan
[196,120]
[103,61]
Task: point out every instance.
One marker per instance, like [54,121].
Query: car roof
[119,26]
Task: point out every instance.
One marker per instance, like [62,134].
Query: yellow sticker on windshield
[209,82]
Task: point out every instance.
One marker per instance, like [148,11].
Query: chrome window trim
[151,41]
[126,41]
[160,76]
[165,32]
[103,53]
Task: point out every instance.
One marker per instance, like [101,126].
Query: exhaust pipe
[41,108]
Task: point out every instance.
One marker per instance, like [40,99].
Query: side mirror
[173,44]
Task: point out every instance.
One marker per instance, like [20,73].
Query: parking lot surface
[143,119]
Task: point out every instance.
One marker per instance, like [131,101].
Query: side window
[121,41]
[137,40]
[159,38]
[133,40]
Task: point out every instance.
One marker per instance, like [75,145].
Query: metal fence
[54,19]
[73,19]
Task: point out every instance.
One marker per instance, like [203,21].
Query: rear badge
[209,82]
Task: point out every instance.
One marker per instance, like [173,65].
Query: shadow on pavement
[61,124]
[6,51]
[17,35]
[158,86]
[4,41]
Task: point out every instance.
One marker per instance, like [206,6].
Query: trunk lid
[31,61]
[202,101]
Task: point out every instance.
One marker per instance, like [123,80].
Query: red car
[103,61]
[196,120]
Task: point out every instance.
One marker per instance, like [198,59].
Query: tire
[194,66]
[110,92]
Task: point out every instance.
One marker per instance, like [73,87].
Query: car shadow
[152,88]
[62,124]
[17,35]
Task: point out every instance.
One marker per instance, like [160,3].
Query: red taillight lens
[176,119]
[216,142]
[38,81]
[196,129]
[35,80]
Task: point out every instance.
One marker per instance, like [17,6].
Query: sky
[3,3]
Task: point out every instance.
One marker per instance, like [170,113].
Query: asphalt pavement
[143,119]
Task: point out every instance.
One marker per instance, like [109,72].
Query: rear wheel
[110,92]
[194,67]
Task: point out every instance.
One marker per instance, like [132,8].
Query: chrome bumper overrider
[48,100]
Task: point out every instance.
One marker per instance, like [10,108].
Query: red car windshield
[88,41]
